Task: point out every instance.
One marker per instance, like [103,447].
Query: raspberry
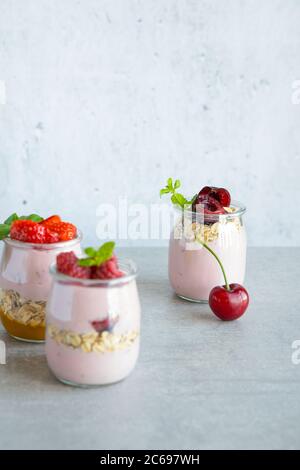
[28,231]
[66,263]
[107,270]
[107,324]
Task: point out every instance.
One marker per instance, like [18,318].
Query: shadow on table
[196,312]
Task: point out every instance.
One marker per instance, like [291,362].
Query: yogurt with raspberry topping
[93,327]
[193,271]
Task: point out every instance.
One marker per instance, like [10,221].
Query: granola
[24,311]
[92,341]
[193,231]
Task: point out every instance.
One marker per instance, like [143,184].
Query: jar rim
[43,246]
[125,264]
[240,209]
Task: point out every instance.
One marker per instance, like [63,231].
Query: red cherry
[229,304]
[220,194]
[210,205]
[205,191]
[223,196]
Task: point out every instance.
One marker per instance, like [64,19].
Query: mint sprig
[96,257]
[6,226]
[4,231]
[177,198]
[33,217]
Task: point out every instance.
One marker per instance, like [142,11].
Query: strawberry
[51,237]
[28,231]
[53,219]
[64,230]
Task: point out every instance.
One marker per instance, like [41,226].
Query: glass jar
[25,284]
[93,327]
[193,270]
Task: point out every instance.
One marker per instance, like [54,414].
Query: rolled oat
[92,341]
[26,312]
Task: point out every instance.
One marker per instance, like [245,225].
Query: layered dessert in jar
[208,222]
[31,244]
[93,318]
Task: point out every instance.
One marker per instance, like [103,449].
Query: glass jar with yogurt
[193,271]
[93,327]
[25,283]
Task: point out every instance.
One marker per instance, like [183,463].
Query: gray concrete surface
[200,383]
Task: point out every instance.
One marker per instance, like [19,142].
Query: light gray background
[110,97]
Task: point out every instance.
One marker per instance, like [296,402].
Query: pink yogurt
[73,305]
[193,270]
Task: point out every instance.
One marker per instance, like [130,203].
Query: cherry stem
[219,261]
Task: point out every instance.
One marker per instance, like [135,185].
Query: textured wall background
[110,97]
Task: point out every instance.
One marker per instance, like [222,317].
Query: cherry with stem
[230,301]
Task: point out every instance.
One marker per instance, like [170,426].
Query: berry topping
[65,230]
[28,231]
[67,263]
[100,263]
[107,324]
[107,270]
[50,237]
[34,229]
[53,219]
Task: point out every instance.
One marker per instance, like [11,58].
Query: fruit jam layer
[18,330]
[92,341]
[21,317]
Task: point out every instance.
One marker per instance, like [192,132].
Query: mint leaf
[4,231]
[86,262]
[91,252]
[179,200]
[170,184]
[11,219]
[97,257]
[164,191]
[176,198]
[33,217]
[177,184]
[105,252]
